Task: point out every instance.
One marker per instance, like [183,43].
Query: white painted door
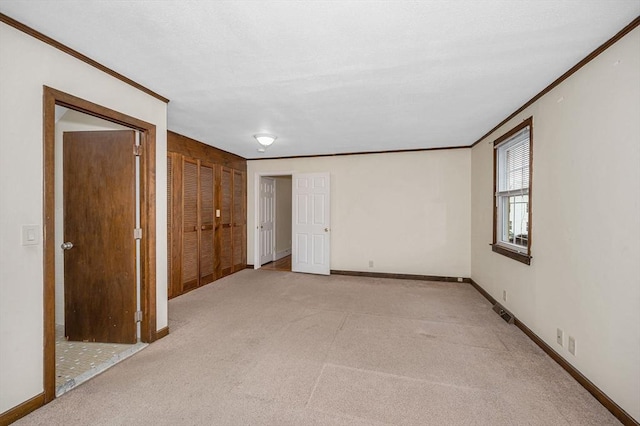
[311,234]
[267,219]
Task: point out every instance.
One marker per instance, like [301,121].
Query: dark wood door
[99,220]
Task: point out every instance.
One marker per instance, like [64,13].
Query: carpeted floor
[279,348]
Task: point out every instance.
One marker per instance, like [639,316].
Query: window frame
[512,251]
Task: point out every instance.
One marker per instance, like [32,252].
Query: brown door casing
[51,98]
[99,220]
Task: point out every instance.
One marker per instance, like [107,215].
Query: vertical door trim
[138,222]
[256,212]
[51,98]
[273,220]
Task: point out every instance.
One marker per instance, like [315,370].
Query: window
[512,193]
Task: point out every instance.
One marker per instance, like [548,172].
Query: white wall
[71,121]
[585,273]
[407,212]
[283,215]
[27,64]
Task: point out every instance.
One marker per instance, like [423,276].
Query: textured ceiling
[333,76]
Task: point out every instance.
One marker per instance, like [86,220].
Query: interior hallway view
[279,348]
[283,264]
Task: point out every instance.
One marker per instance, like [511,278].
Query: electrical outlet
[560,337]
[504,295]
[460,280]
[572,345]
[371,264]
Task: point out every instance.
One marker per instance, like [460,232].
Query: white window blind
[514,163]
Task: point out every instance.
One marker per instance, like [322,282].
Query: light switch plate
[217,212]
[30,235]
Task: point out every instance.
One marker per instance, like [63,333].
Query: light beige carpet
[279,348]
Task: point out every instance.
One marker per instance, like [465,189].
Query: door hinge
[138,316]
[137,233]
[137,150]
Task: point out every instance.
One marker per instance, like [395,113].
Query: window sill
[520,257]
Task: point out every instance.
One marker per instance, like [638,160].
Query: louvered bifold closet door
[207,224]
[239,221]
[226,222]
[190,225]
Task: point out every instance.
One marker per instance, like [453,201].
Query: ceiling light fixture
[265,140]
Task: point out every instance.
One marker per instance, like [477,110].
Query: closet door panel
[190,225]
[207,224]
[226,222]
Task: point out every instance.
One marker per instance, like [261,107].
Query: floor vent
[504,314]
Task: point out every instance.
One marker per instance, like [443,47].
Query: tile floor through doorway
[77,362]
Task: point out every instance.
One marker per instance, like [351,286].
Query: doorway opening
[274,227]
[138,307]
[309,223]
[92,333]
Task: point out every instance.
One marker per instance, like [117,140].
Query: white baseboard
[282,253]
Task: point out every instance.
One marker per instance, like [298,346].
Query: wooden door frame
[256,211]
[258,222]
[51,98]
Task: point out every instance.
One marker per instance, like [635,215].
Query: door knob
[326,229]
[66,246]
